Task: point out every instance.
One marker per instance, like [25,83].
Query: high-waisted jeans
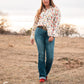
[41,38]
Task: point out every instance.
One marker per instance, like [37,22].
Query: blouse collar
[47,9]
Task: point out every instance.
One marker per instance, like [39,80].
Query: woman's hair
[43,6]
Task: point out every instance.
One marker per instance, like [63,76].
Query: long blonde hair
[43,6]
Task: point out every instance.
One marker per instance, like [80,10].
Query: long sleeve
[53,26]
[34,27]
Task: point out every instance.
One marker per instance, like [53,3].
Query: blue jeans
[41,38]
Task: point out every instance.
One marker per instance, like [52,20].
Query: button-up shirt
[49,18]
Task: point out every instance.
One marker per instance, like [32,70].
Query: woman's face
[46,2]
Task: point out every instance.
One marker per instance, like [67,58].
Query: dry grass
[19,61]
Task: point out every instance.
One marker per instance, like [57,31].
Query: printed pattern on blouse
[49,18]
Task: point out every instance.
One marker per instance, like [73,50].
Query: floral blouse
[49,18]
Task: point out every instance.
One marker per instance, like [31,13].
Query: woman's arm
[54,22]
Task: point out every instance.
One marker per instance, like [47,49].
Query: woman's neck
[47,7]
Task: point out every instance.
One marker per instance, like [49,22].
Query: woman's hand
[32,41]
[50,38]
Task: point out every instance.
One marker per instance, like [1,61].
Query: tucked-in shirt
[49,18]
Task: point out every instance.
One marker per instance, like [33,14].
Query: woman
[44,31]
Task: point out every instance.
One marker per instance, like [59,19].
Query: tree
[67,29]
[3,23]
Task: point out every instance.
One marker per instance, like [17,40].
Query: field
[19,61]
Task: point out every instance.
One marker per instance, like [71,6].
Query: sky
[72,11]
